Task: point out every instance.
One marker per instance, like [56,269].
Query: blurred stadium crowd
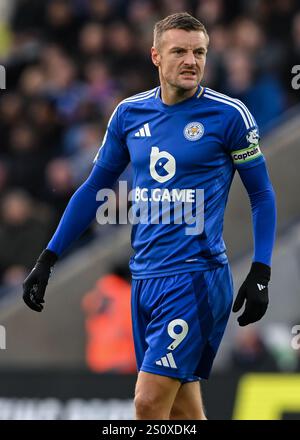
[69,62]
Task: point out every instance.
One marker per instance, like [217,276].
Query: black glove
[255,291]
[34,286]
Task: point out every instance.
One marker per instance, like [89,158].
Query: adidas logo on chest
[143,131]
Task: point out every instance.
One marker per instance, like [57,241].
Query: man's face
[181,58]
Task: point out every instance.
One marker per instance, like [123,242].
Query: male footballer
[184,142]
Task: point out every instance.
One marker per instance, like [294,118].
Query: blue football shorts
[179,321]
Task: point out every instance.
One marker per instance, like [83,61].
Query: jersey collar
[175,107]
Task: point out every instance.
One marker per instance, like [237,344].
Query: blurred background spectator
[109,341]
[250,353]
[21,220]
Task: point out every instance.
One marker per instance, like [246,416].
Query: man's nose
[190,58]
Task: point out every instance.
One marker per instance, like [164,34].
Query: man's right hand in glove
[35,284]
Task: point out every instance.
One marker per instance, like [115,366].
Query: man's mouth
[188,73]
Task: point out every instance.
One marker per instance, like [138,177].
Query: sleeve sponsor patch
[246,154]
[253,136]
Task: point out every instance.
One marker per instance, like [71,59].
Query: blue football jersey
[183,158]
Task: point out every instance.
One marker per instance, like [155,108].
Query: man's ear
[155,56]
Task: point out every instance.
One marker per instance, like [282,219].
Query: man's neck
[172,95]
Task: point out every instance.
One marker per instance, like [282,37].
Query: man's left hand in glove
[255,291]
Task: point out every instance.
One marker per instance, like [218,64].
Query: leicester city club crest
[193,131]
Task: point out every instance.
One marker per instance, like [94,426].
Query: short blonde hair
[180,20]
